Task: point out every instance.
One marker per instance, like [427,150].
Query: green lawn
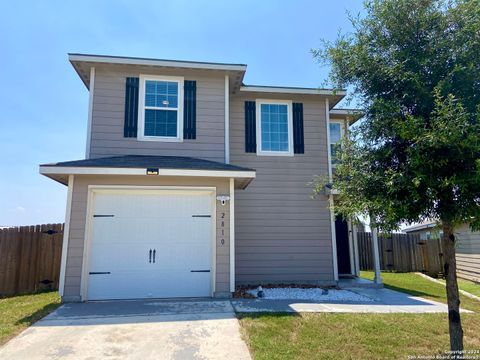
[469,286]
[409,281]
[19,312]
[360,336]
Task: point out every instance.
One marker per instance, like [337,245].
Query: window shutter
[190,109]
[131,107]
[250,127]
[298,143]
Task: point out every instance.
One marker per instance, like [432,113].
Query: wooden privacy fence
[30,258]
[402,252]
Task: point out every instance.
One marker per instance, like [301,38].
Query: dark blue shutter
[250,127]
[298,143]
[131,107]
[189,109]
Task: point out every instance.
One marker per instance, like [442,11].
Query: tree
[414,66]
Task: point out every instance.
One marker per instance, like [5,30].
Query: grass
[411,283]
[469,286]
[360,336]
[19,312]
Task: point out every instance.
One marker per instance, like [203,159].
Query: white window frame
[342,134]
[141,109]
[261,152]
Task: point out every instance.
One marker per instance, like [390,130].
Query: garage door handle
[154,251]
[199,270]
[150,256]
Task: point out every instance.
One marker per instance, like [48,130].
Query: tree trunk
[453,298]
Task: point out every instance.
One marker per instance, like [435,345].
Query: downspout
[330,196]
[227,120]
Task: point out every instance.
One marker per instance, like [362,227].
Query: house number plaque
[222,227]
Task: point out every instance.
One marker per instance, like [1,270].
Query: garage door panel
[122,229]
[105,257]
[149,206]
[128,287]
[177,226]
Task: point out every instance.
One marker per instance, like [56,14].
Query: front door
[343,246]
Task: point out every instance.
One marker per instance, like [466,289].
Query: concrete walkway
[155,329]
[383,301]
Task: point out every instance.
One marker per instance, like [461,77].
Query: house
[467,249]
[194,183]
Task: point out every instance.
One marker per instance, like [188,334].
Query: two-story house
[194,183]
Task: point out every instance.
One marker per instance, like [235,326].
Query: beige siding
[281,233]
[468,253]
[78,215]
[108,115]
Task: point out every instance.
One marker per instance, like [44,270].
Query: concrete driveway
[147,329]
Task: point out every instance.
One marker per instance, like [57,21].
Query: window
[274,128]
[160,108]
[336,133]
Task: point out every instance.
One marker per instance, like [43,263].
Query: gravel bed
[314,294]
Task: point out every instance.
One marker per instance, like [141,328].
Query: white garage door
[150,244]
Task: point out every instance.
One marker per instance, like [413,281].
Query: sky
[44,104]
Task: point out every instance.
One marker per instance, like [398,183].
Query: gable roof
[427,224]
[82,64]
[351,115]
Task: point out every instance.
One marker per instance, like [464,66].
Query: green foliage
[415,67]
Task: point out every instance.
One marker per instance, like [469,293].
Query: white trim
[86,246]
[118,189]
[213,282]
[258,105]
[376,256]
[232,235]
[330,197]
[292,90]
[227,119]
[350,247]
[66,236]
[156,62]
[329,155]
[334,239]
[349,115]
[355,250]
[91,89]
[345,111]
[45,170]
[141,108]
[422,226]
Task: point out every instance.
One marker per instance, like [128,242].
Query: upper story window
[274,128]
[336,133]
[160,108]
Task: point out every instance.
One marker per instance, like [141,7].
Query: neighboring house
[194,183]
[467,249]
